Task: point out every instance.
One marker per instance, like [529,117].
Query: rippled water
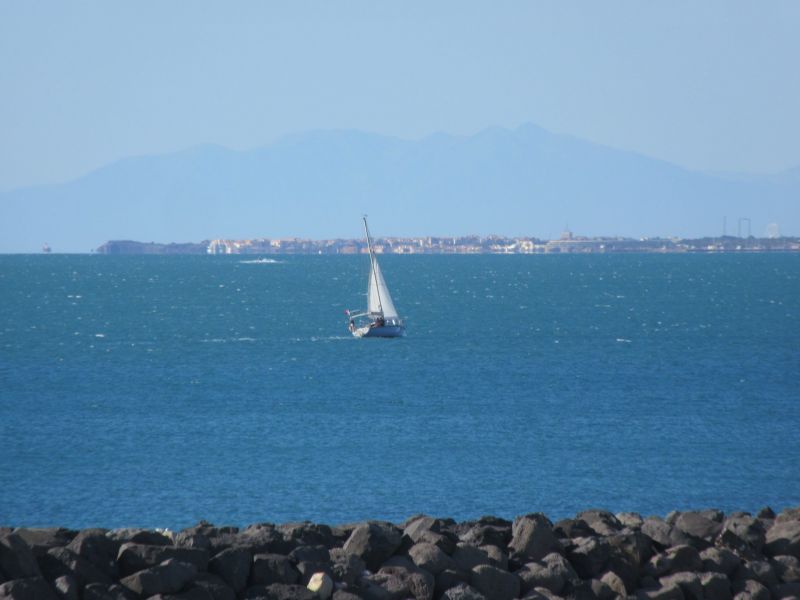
[157,391]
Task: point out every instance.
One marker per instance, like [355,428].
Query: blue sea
[158,391]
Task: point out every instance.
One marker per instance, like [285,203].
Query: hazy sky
[712,85]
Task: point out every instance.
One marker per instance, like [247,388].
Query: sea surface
[158,391]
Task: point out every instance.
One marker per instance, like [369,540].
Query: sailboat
[381,318]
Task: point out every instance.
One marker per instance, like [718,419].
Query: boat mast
[372,264]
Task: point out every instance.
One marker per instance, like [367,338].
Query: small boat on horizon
[381,318]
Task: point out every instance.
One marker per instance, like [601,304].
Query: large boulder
[689,583]
[67,587]
[139,536]
[33,588]
[601,522]
[41,540]
[674,560]
[463,592]
[431,558]
[742,534]
[700,529]
[346,568]
[133,557]
[533,537]
[99,549]
[750,589]
[658,531]
[103,591]
[716,586]
[485,531]
[63,561]
[374,543]
[589,556]
[787,568]
[169,577]
[494,583]
[467,556]
[400,578]
[233,566]
[783,538]
[214,586]
[720,560]
[307,534]
[17,560]
[279,591]
[272,568]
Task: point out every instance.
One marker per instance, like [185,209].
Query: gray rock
[760,570]
[658,531]
[449,578]
[671,592]
[701,529]
[66,587]
[634,545]
[169,577]
[589,556]
[541,594]
[787,591]
[674,560]
[689,583]
[494,583]
[133,557]
[533,537]
[572,528]
[766,513]
[750,590]
[602,522]
[467,556]
[402,579]
[344,595]
[431,558]
[601,590]
[431,531]
[139,536]
[630,519]
[497,557]
[787,568]
[346,568]
[17,560]
[720,560]
[463,592]
[233,566]
[614,583]
[483,534]
[716,586]
[41,540]
[214,585]
[100,550]
[272,568]
[279,591]
[789,514]
[541,575]
[783,538]
[373,542]
[102,591]
[744,535]
[307,534]
[58,562]
[262,538]
[32,588]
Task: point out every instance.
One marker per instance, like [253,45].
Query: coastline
[596,554]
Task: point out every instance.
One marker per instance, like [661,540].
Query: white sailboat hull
[384,331]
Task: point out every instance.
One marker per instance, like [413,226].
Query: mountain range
[524,182]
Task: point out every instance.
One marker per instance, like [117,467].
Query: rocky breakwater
[691,555]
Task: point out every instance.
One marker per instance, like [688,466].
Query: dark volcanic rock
[659,531]
[533,537]
[467,556]
[373,542]
[572,528]
[233,566]
[449,578]
[494,583]
[750,590]
[743,535]
[272,568]
[787,568]
[41,540]
[589,556]
[169,577]
[688,582]
[17,560]
[63,561]
[700,529]
[214,585]
[307,534]
[716,586]
[463,592]
[346,568]
[399,578]
[66,587]
[601,522]
[279,591]
[783,538]
[720,560]
[102,591]
[431,558]
[134,557]
[674,560]
[139,536]
[99,549]
[33,588]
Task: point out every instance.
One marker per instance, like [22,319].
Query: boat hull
[387,331]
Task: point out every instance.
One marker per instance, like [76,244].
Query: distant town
[567,243]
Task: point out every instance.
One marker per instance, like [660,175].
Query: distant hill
[526,181]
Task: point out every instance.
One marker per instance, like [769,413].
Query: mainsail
[379,302]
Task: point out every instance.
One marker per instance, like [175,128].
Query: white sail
[379,301]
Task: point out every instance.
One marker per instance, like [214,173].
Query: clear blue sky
[710,85]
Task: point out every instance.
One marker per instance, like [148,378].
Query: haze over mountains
[525,181]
